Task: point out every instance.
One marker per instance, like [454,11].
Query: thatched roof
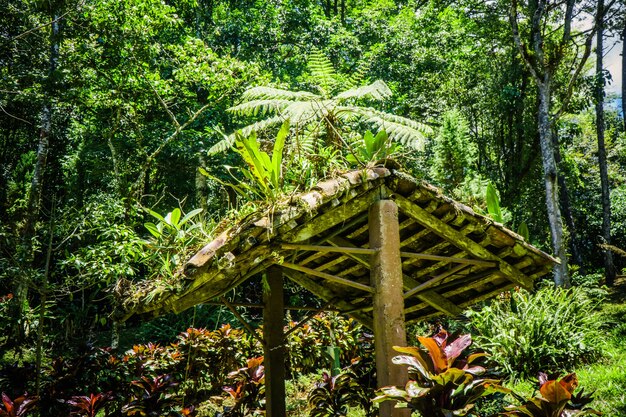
[452,257]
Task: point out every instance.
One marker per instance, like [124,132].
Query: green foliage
[441,383]
[310,113]
[334,395]
[372,149]
[453,155]
[552,329]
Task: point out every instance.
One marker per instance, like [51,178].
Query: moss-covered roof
[452,257]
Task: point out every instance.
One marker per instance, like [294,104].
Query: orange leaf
[437,355]
[569,382]
[554,392]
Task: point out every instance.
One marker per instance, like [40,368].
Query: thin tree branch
[518,41]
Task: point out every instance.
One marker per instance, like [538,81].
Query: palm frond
[270,93]
[377,90]
[259,107]
[322,71]
[228,140]
[399,129]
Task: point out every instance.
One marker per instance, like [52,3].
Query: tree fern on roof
[328,110]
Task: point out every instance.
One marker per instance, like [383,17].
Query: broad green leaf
[152,228]
[174,217]
[493,204]
[277,156]
[522,230]
[155,215]
[189,216]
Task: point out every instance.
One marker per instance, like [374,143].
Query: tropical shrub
[88,405]
[17,407]
[551,329]
[441,383]
[247,389]
[334,395]
[154,397]
[557,400]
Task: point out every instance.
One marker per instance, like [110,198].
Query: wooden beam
[274,346]
[431,282]
[447,259]
[431,297]
[386,278]
[326,294]
[329,277]
[243,321]
[319,248]
[461,241]
[251,305]
[308,317]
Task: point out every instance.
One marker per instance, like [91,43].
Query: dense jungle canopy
[119,156]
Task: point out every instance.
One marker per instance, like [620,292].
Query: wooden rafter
[243,321]
[430,296]
[446,259]
[452,235]
[325,294]
[433,281]
[329,277]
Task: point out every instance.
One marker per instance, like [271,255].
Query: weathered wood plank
[331,218]
[447,259]
[461,241]
[329,277]
[433,281]
[320,248]
[327,295]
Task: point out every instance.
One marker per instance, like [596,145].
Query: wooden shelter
[376,244]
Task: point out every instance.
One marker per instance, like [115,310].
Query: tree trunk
[561,276]
[26,252]
[567,210]
[609,268]
[624,72]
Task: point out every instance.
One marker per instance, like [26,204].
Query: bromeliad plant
[264,174]
[441,383]
[373,149]
[557,400]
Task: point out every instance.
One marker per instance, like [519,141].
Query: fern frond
[259,107]
[229,140]
[399,129]
[270,93]
[357,77]
[377,90]
[302,112]
[322,71]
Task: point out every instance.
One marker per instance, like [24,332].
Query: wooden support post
[386,278]
[274,361]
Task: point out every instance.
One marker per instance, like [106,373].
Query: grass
[606,377]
